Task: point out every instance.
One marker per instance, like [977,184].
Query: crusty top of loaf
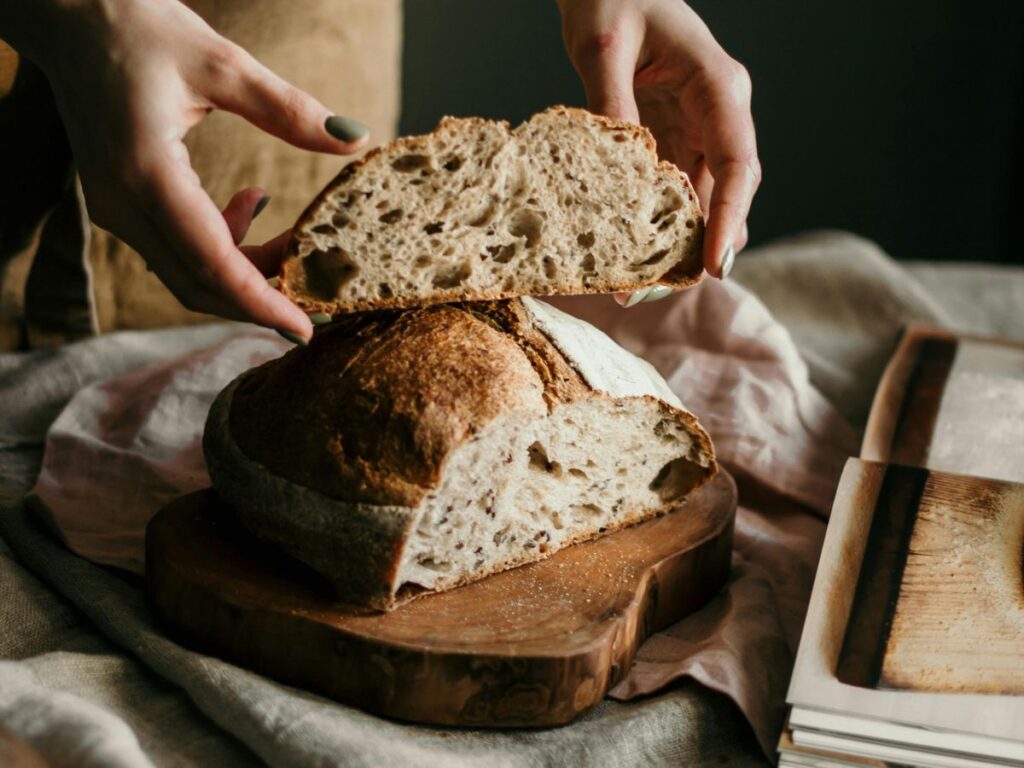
[373,407]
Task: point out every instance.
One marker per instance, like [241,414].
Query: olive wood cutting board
[533,646]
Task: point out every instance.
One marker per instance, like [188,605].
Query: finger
[199,235]
[741,241]
[606,62]
[160,259]
[268,257]
[731,157]
[241,210]
[249,89]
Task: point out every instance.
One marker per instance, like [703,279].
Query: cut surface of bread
[566,203]
[409,451]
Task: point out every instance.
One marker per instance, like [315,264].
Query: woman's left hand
[655,62]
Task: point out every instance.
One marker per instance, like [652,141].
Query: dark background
[901,121]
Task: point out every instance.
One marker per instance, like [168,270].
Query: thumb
[606,64]
[279,108]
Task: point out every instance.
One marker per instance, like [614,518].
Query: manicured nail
[345,128]
[636,297]
[294,338]
[319,318]
[260,206]
[274,281]
[657,292]
[728,259]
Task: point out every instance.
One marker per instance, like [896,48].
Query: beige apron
[62,278]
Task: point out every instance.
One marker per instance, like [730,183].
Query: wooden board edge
[507,693]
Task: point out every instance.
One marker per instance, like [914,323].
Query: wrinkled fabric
[770,404]
[125,446]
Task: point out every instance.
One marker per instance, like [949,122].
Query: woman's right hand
[130,78]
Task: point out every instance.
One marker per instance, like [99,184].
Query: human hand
[130,78]
[655,62]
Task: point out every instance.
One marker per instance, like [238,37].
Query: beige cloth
[57,625]
[124,447]
[344,52]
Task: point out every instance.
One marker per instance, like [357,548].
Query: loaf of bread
[566,203]
[408,451]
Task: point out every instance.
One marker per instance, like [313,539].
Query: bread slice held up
[411,451]
[566,203]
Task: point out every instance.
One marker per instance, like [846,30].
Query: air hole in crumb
[384,291]
[502,254]
[408,163]
[421,262]
[651,260]
[453,164]
[586,239]
[690,224]
[619,138]
[589,264]
[391,216]
[670,202]
[539,460]
[577,473]
[434,227]
[453,276]
[581,510]
[485,216]
[340,220]
[675,479]
[550,268]
[324,229]
[527,223]
[328,271]
[667,222]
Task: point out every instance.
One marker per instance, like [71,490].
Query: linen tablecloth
[87,676]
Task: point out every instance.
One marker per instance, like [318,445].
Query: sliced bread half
[565,203]
[404,452]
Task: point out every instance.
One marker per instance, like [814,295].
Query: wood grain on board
[939,603]
[536,645]
[941,699]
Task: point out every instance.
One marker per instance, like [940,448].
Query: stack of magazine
[913,648]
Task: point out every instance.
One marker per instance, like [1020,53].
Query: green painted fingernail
[294,338]
[260,206]
[319,318]
[657,293]
[728,259]
[636,297]
[345,128]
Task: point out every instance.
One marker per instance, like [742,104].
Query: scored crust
[332,451]
[548,235]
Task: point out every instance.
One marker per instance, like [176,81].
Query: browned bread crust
[330,450]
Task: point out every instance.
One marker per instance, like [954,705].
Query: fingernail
[319,318]
[294,338]
[260,206]
[657,292]
[345,128]
[728,259]
[274,281]
[636,297]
